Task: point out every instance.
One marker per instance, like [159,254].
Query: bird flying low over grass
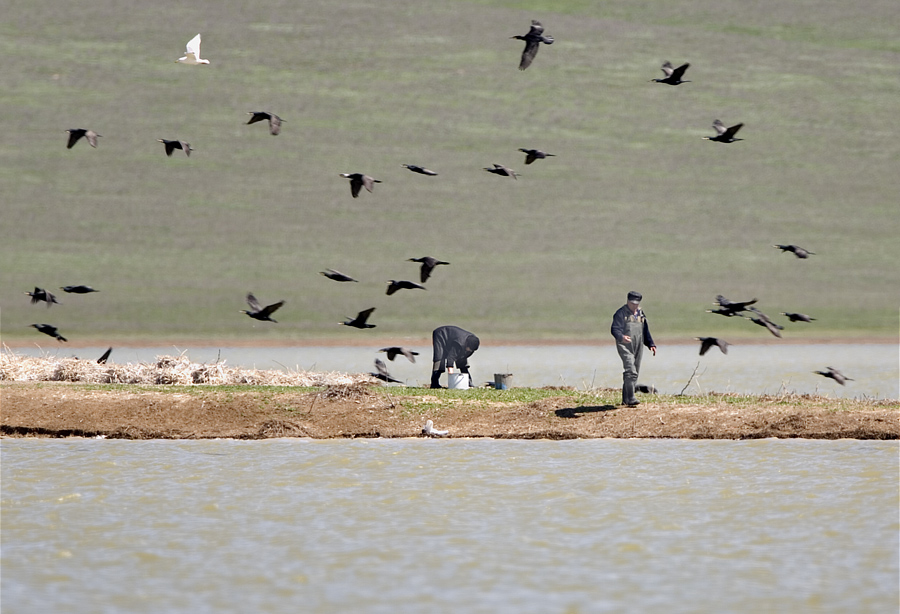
[77,133]
[763,320]
[173,145]
[534,154]
[532,40]
[673,75]
[360,321]
[730,309]
[419,169]
[707,342]
[395,350]
[358,180]
[797,317]
[382,373]
[192,53]
[39,294]
[428,264]
[78,289]
[274,120]
[394,285]
[49,329]
[261,313]
[834,374]
[796,250]
[725,135]
[336,275]
[499,169]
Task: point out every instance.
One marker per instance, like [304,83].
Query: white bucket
[458,381]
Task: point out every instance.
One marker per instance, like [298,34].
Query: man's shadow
[575,412]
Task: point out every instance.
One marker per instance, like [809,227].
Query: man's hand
[653,349]
[626,338]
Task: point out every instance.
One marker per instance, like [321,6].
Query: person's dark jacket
[618,325]
[453,345]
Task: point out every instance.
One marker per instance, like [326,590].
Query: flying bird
[499,169]
[834,374]
[430,431]
[39,294]
[102,360]
[532,40]
[78,289]
[730,308]
[797,317]
[358,180]
[192,53]
[261,313]
[394,351]
[796,250]
[360,320]
[49,329]
[77,133]
[336,275]
[394,285]
[382,373]
[707,342]
[274,120]
[767,324]
[534,154]
[419,169]
[173,145]
[428,264]
[673,75]
[725,135]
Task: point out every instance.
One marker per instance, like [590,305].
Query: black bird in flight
[532,40]
[102,360]
[834,374]
[763,320]
[796,250]
[40,294]
[797,317]
[49,329]
[534,154]
[394,285]
[383,374]
[173,145]
[395,350]
[428,264]
[730,308]
[336,275]
[725,135]
[499,169]
[78,289]
[707,342]
[274,120]
[77,133]
[358,180]
[360,320]
[673,75]
[261,313]
[419,169]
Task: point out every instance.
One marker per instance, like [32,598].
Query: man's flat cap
[634,297]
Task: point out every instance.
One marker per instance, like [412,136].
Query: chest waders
[631,353]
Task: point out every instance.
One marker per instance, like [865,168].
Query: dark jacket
[453,345]
[618,324]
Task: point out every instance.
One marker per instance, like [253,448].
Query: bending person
[452,347]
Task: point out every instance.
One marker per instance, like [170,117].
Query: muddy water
[414,526]
[751,369]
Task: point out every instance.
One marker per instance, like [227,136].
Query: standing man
[452,346]
[629,327]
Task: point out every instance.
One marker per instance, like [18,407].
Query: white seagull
[431,431]
[192,53]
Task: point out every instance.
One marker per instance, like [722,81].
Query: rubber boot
[628,393]
[436,379]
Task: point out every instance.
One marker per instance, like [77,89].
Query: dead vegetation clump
[356,390]
[167,370]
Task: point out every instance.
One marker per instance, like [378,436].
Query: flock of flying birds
[533,40]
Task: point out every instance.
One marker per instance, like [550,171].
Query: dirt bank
[65,409]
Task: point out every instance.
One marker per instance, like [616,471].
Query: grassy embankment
[634,198]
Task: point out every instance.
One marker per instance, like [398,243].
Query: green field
[633,199]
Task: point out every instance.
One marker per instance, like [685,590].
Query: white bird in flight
[192,53]
[431,431]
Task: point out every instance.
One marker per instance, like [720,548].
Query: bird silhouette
[730,308]
[429,430]
[428,264]
[796,250]
[358,180]
[707,342]
[274,120]
[49,329]
[360,321]
[532,40]
[173,145]
[534,154]
[419,169]
[394,285]
[102,360]
[499,169]
[394,351]
[39,294]
[77,133]
[382,373]
[78,289]
[336,275]
[192,53]
[763,320]
[673,75]
[834,374]
[261,313]
[797,317]
[725,135]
